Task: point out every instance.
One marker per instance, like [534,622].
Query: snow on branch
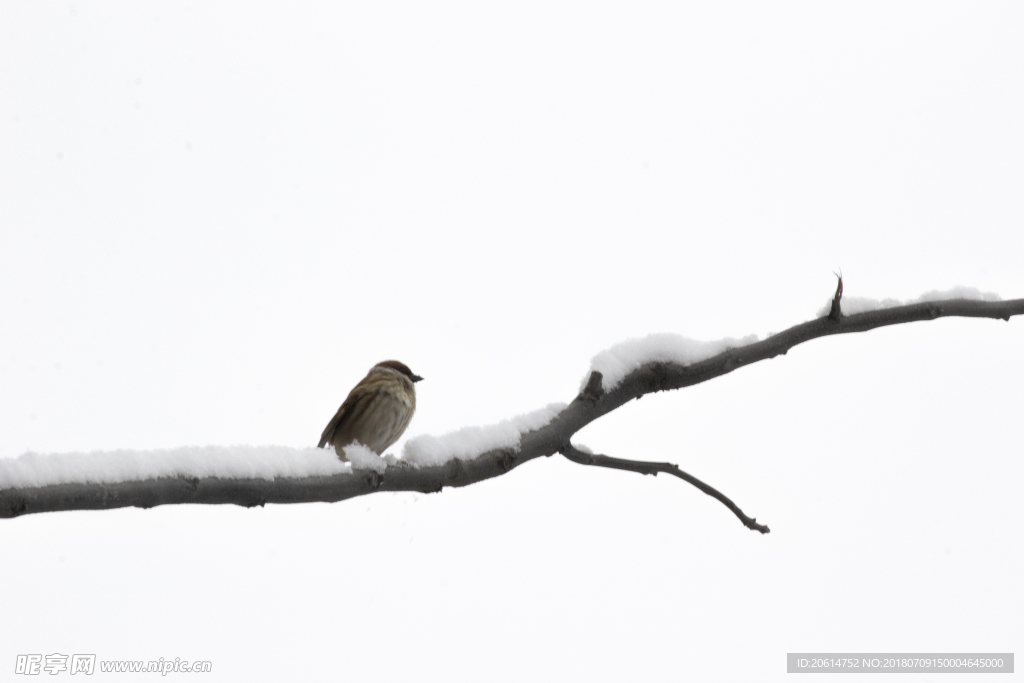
[852,305]
[251,475]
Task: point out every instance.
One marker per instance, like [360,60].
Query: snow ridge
[625,357]
[470,442]
[109,467]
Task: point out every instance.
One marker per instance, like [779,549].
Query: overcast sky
[215,217]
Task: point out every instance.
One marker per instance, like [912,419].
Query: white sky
[214,218]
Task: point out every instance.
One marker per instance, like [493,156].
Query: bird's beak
[416,378]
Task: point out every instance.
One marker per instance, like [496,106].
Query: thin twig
[644,467]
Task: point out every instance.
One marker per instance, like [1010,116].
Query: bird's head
[399,367]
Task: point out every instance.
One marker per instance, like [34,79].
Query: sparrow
[376,411]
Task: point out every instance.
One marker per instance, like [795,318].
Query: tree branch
[593,459]
[589,405]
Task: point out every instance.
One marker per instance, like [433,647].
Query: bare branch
[642,467]
[593,402]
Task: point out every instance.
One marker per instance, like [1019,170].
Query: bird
[376,411]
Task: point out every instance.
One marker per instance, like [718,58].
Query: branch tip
[836,312]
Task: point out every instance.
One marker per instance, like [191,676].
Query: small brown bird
[377,410]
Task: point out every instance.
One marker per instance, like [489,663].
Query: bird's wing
[328,435]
